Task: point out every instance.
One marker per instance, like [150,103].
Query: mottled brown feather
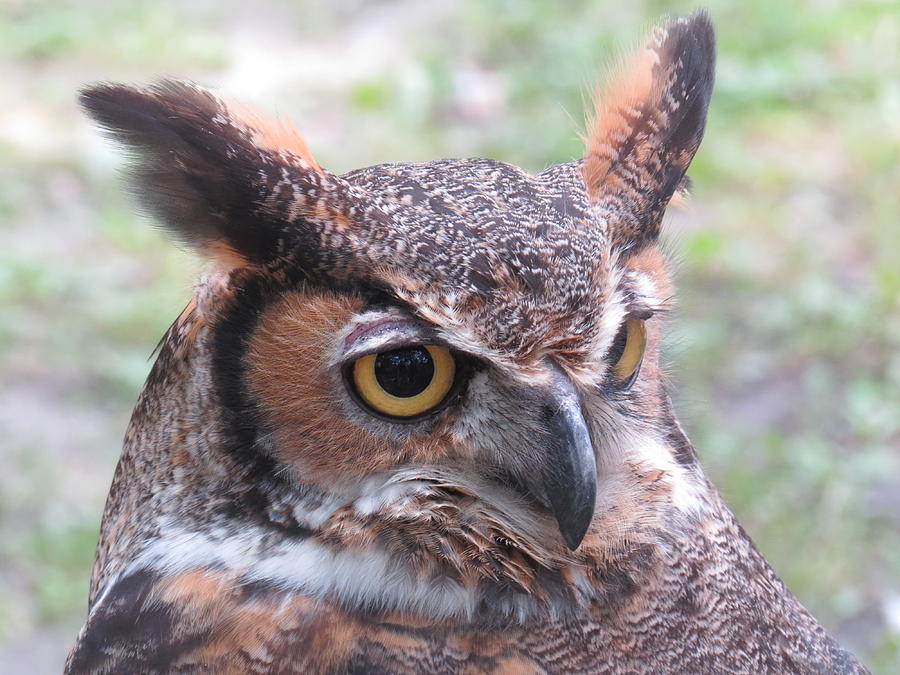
[261,521]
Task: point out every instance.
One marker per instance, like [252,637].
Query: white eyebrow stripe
[382,340]
[389,329]
[645,288]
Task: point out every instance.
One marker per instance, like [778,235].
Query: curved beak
[568,481]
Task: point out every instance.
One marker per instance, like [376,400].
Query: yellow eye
[405,382]
[629,348]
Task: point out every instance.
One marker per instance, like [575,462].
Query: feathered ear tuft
[647,126]
[220,179]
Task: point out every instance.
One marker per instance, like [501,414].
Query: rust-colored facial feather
[303,400]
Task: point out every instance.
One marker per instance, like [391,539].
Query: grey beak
[570,475]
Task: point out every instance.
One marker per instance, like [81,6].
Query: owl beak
[570,476]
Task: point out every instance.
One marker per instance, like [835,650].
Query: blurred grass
[786,351]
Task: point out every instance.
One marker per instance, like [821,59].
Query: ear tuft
[209,172]
[648,123]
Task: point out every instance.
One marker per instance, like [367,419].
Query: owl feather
[413,418]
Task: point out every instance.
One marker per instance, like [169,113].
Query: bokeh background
[785,353]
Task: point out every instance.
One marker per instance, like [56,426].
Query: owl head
[456,350]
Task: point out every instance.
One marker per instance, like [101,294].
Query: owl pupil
[404,372]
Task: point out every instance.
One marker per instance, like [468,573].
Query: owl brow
[636,305]
[387,333]
[642,312]
[364,329]
[662,307]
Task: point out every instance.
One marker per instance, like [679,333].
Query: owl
[413,419]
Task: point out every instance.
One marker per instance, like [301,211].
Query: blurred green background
[785,354]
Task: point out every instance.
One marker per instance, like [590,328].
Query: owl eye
[628,351]
[404,383]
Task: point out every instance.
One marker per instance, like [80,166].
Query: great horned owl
[413,419]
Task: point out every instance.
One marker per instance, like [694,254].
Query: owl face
[469,351]
[409,336]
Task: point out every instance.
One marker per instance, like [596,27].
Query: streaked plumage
[548,515]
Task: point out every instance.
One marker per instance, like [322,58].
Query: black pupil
[404,372]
